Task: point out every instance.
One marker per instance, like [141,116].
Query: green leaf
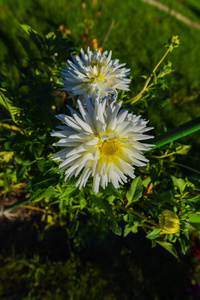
[37,196]
[111,191]
[194,220]
[73,228]
[34,35]
[82,200]
[195,199]
[102,203]
[167,197]
[42,193]
[45,181]
[69,192]
[127,230]
[154,234]
[26,45]
[183,245]
[7,103]
[50,193]
[146,181]
[131,228]
[135,191]
[183,149]
[36,149]
[28,29]
[6,156]
[169,247]
[110,199]
[21,172]
[116,228]
[63,206]
[50,35]
[49,167]
[179,183]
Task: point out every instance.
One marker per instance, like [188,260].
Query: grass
[188,8]
[137,38]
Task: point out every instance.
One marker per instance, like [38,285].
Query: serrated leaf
[167,197]
[116,228]
[25,44]
[183,245]
[110,199]
[49,167]
[135,191]
[154,234]
[73,228]
[50,193]
[131,228]
[127,230]
[42,194]
[146,181]
[28,28]
[195,199]
[37,196]
[111,191]
[50,35]
[45,181]
[82,200]
[21,172]
[101,203]
[34,35]
[165,102]
[169,247]
[36,149]
[183,149]
[68,192]
[63,206]
[6,156]
[179,183]
[7,103]
[194,220]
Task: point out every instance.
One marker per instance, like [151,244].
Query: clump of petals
[93,73]
[102,141]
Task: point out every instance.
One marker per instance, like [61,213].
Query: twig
[108,33]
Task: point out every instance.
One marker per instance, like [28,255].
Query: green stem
[16,205]
[133,212]
[180,165]
[138,96]
[176,133]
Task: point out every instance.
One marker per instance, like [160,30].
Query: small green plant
[28,117]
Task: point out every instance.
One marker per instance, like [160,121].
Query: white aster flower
[101,141]
[94,72]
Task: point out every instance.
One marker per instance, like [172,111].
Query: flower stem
[138,96]
[177,133]
[133,212]
[35,208]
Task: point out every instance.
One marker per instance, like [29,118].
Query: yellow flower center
[109,146]
[96,73]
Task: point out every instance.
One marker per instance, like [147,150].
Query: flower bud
[169,222]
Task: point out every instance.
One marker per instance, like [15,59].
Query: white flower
[94,72]
[101,141]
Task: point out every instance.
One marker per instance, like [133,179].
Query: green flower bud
[173,43]
[169,222]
